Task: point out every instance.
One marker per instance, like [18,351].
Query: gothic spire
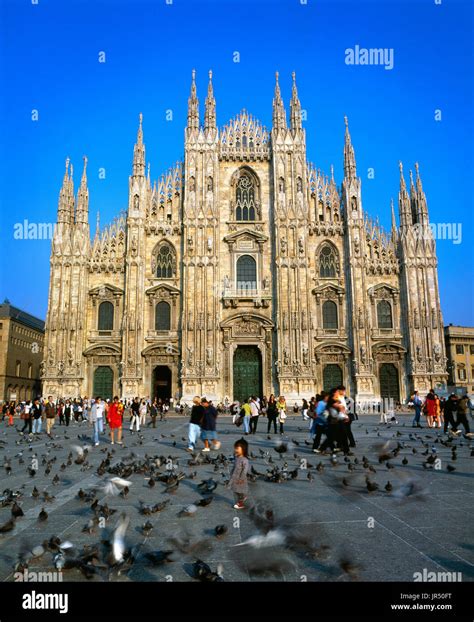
[394,220]
[193,105]
[139,151]
[422,207]
[279,114]
[66,197]
[210,113]
[403,202]
[295,107]
[82,210]
[350,171]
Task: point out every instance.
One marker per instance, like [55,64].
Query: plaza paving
[423,523]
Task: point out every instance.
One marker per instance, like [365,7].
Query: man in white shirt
[254,414]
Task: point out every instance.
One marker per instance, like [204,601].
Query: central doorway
[332,377]
[161,383]
[389,385]
[247,373]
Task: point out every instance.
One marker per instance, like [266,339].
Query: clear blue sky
[49,62]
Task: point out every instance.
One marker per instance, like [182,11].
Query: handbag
[239,421]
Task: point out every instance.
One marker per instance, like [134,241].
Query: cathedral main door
[247,373]
[389,385]
[103,382]
[161,383]
[332,377]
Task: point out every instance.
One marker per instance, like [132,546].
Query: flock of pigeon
[390,466]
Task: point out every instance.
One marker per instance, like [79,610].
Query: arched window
[162,316]
[106,316]
[246,272]
[329,314]
[328,263]
[384,314]
[165,262]
[245,198]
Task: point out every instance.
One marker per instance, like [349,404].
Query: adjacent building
[460,353]
[243,270]
[21,353]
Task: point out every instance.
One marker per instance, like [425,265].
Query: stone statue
[437,352]
[286,358]
[190,350]
[209,353]
[305,354]
[419,356]
[283,246]
[226,283]
[363,355]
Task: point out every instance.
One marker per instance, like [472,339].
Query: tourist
[50,413]
[281,408]
[27,417]
[417,403]
[60,412]
[67,412]
[272,414]
[320,421]
[208,426]
[336,430]
[238,478]
[114,417]
[461,417]
[304,410]
[153,413]
[350,416]
[450,409]
[142,412]
[96,418]
[135,415]
[246,413]
[195,422]
[36,413]
[430,408]
[254,414]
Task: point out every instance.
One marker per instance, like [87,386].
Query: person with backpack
[27,417]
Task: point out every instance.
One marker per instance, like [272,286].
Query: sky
[419,110]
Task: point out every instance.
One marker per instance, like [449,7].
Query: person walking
[142,412]
[238,479]
[36,414]
[67,412]
[195,422]
[254,415]
[246,413]
[272,414]
[135,415]
[96,417]
[50,413]
[429,408]
[281,408]
[417,403]
[153,413]
[350,416]
[450,410]
[114,417]
[208,426]
[461,417]
[27,417]
[60,412]
[304,410]
[320,421]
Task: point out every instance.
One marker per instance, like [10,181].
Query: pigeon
[189,510]
[35,492]
[115,486]
[203,572]
[43,515]
[157,558]
[147,528]
[220,530]
[371,486]
[404,461]
[205,501]
[388,487]
[8,526]
[450,468]
[16,510]
[281,448]
[151,482]
[118,543]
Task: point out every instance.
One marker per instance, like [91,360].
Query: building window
[472,371]
[106,316]
[471,349]
[384,314]
[18,368]
[327,263]
[246,272]
[462,373]
[459,349]
[245,198]
[329,315]
[165,262]
[162,316]
[30,370]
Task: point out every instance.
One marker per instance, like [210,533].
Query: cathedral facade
[243,270]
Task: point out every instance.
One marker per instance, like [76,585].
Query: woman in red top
[431,408]
[114,417]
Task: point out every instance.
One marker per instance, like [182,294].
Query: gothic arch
[246,194]
[328,263]
[163,261]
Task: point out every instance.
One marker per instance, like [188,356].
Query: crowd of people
[450,413]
